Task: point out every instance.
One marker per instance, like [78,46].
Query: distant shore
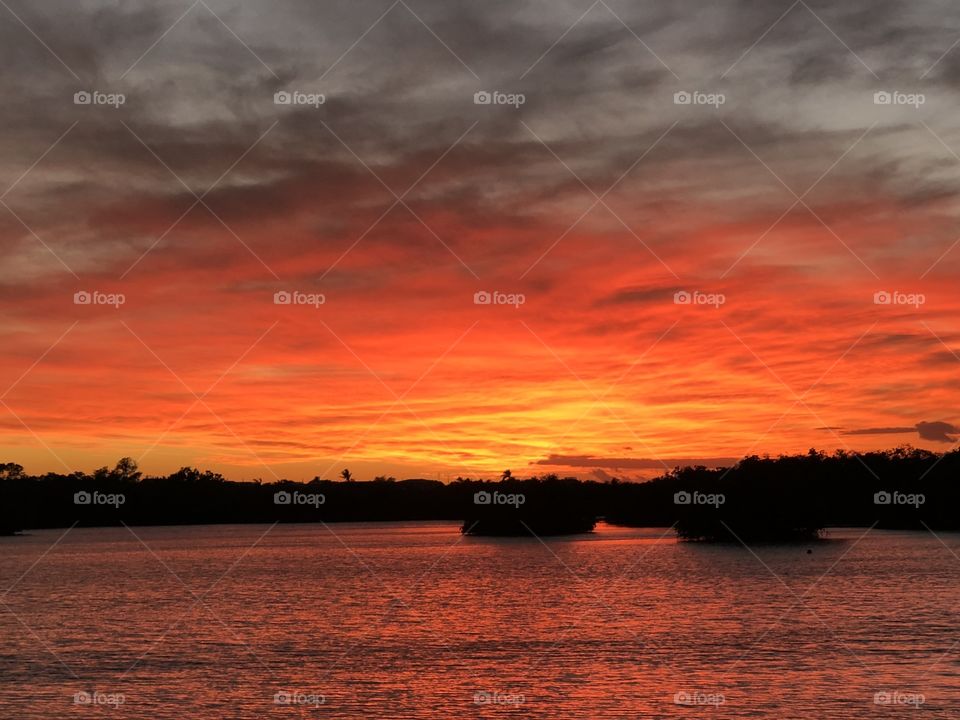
[759,498]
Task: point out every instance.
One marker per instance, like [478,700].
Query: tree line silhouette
[760,498]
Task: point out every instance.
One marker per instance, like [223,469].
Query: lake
[413,620]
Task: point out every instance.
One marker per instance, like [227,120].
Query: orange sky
[599,372]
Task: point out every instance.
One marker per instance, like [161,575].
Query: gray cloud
[937,431]
[880,431]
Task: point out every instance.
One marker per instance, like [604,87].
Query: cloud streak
[938,431]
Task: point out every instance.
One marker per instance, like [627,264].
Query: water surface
[379,620]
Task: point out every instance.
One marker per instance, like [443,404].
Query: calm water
[414,621]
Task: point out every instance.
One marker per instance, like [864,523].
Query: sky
[676,233]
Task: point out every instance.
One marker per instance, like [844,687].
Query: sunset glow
[599,199]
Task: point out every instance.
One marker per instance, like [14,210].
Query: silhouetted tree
[126,469]
[11,471]
[763,498]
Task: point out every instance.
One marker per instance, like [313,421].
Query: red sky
[797,200]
